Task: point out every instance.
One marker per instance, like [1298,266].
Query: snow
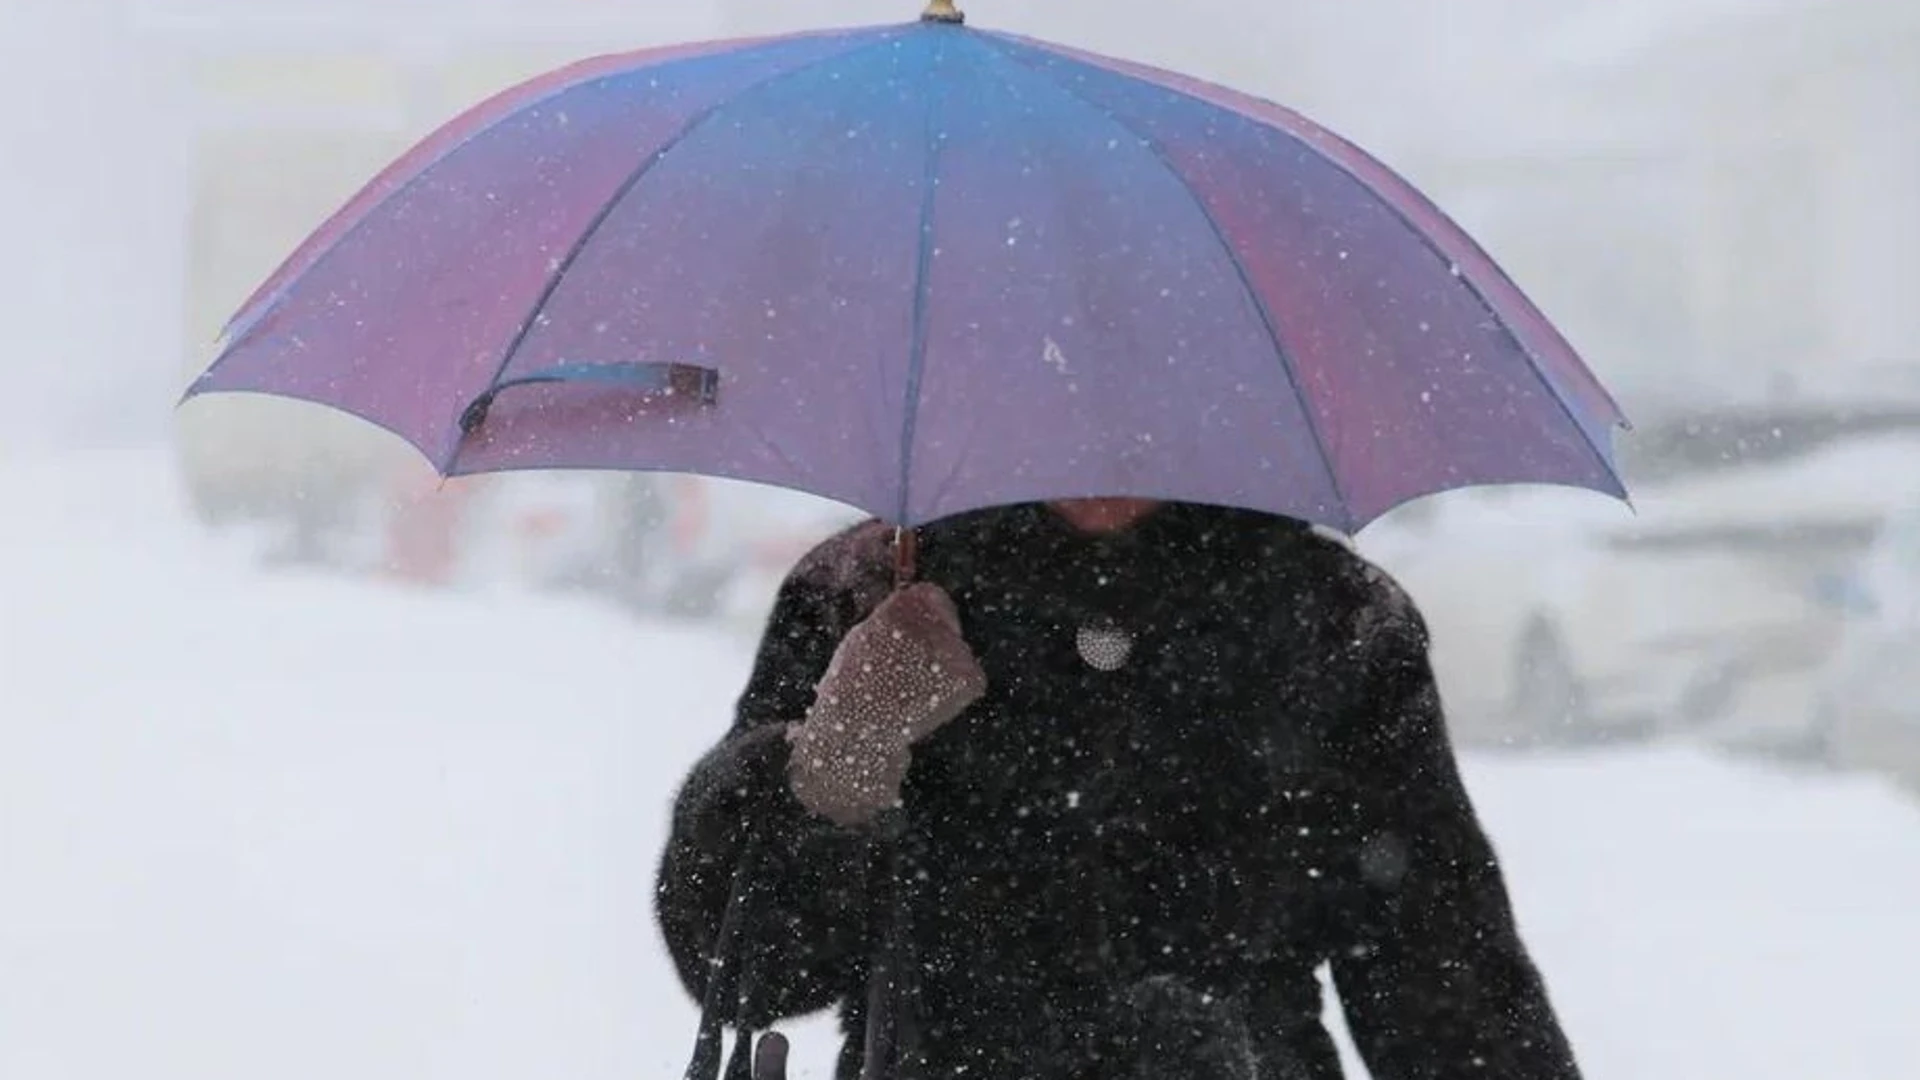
[270,825]
[1696,919]
[1616,32]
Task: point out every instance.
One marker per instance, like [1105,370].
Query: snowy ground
[256,826]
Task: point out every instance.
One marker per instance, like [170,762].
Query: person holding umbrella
[1159,763]
[1083,756]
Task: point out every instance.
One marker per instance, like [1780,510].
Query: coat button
[1104,648]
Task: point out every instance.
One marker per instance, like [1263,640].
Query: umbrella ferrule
[943,11]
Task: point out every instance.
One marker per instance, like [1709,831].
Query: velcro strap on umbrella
[688,381]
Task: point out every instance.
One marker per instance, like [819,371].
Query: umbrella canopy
[923,269]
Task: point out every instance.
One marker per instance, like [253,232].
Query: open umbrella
[921,269]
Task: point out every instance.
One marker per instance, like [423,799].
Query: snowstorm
[1227,540]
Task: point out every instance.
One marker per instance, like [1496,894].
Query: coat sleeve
[805,923]
[1438,985]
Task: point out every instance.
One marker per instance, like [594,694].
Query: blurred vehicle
[1558,617]
[1868,697]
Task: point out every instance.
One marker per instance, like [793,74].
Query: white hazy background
[260,820]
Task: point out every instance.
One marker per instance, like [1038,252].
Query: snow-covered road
[269,826]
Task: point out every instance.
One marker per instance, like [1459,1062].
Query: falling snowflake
[1053,355]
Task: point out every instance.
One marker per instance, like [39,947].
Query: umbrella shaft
[906,555]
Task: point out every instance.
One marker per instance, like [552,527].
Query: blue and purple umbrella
[923,269]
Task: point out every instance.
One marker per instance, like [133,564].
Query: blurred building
[1789,124]
[92,178]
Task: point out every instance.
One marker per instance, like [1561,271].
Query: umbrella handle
[726,979]
[906,555]
[892,1049]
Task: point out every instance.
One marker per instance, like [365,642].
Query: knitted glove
[896,678]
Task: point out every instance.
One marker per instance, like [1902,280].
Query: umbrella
[923,269]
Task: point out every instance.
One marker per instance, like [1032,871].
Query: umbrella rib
[1157,76]
[778,452]
[1432,244]
[945,486]
[1473,288]
[619,196]
[1281,353]
[1433,247]
[257,311]
[917,356]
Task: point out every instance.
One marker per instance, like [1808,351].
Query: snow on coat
[1212,758]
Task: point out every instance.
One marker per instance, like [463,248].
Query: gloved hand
[896,678]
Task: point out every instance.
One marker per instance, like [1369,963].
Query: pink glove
[897,677]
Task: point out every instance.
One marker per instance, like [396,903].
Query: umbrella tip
[943,11]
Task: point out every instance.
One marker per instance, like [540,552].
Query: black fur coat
[1262,786]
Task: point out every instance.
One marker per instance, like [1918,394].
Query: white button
[1104,648]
